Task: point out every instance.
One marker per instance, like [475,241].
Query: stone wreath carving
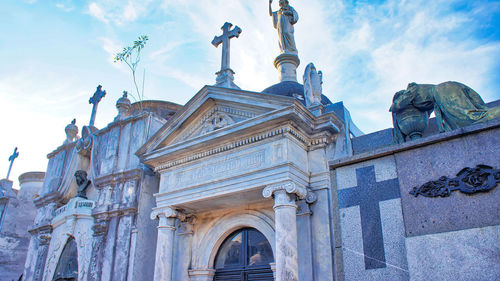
[482,178]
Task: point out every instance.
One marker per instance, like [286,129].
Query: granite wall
[419,238]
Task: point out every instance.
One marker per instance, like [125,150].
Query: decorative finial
[225,76]
[123,105]
[71,132]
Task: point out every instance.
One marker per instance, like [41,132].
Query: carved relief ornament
[482,178]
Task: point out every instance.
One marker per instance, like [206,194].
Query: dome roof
[291,89]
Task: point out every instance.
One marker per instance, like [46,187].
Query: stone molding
[31,177]
[289,186]
[120,177]
[203,274]
[283,130]
[114,212]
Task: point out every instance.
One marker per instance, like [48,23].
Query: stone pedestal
[287,64]
[285,208]
[165,243]
[316,109]
[225,79]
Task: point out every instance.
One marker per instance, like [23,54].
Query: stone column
[164,243]
[285,208]
[100,229]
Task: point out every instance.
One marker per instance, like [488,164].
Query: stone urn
[412,122]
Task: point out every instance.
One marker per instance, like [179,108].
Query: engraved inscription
[221,167]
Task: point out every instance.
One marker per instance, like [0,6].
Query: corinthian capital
[288,186]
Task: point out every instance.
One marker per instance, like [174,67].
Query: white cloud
[97,12]
[130,12]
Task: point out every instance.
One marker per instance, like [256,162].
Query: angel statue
[313,84]
[283,21]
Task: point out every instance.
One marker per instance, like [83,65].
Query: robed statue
[283,21]
[455,105]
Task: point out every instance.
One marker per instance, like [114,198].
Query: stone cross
[225,75]
[227,34]
[11,160]
[95,99]
[367,195]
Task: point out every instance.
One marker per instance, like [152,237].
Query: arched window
[67,267]
[245,255]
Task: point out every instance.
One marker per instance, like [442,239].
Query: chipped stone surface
[18,212]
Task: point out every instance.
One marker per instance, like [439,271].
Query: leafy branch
[132,56]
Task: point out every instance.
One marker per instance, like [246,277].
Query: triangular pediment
[211,116]
[211,111]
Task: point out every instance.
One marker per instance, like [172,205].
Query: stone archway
[244,255]
[67,266]
[207,243]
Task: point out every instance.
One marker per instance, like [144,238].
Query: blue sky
[55,52]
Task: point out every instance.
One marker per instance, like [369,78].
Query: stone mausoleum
[273,185]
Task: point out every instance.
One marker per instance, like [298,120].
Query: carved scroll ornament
[482,178]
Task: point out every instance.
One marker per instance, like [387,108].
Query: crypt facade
[271,185]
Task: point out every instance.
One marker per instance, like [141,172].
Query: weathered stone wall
[19,214]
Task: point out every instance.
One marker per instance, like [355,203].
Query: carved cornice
[99,212]
[288,186]
[40,229]
[120,177]
[283,130]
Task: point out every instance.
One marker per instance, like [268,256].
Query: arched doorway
[67,267]
[244,255]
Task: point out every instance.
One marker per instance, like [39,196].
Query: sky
[55,52]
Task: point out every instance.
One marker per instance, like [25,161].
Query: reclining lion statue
[455,105]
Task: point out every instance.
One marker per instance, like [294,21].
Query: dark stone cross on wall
[367,196]
[94,100]
[11,160]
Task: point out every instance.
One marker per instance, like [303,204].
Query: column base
[287,64]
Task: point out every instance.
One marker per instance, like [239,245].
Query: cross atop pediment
[225,75]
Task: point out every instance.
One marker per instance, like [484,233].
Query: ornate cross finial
[225,75]
[95,99]
[11,160]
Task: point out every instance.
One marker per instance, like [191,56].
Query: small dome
[291,89]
